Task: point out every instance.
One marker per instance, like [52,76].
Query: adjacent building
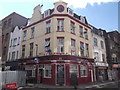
[0,45]
[113,53]
[56,44]
[99,54]
[8,25]
[14,48]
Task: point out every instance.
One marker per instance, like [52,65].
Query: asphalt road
[113,86]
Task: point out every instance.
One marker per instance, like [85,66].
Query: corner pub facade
[56,44]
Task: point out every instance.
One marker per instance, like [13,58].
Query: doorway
[60,74]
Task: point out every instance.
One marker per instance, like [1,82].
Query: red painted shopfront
[57,69]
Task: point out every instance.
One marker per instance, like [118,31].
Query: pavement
[81,86]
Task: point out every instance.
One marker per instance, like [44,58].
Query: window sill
[60,31]
[47,33]
[32,38]
[73,33]
[81,36]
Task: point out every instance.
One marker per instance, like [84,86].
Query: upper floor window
[102,44]
[86,34]
[15,42]
[96,56]
[60,26]
[5,24]
[72,27]
[70,11]
[81,31]
[73,47]
[47,46]
[32,32]
[31,49]
[48,25]
[83,71]
[46,13]
[24,35]
[23,50]
[82,48]
[13,56]
[87,50]
[60,45]
[103,57]
[95,42]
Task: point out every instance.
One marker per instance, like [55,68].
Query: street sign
[11,85]
[36,60]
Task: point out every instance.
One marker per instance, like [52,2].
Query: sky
[99,13]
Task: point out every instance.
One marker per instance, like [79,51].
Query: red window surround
[60,18]
[72,39]
[47,39]
[81,42]
[60,37]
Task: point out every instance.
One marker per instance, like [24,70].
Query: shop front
[115,72]
[58,70]
[101,71]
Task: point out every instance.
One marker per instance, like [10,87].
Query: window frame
[84,70]
[60,25]
[49,70]
[31,49]
[60,44]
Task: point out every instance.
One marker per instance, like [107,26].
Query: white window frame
[25,35]
[14,42]
[60,45]
[81,31]
[46,13]
[13,55]
[102,44]
[87,50]
[72,27]
[32,32]
[60,26]
[73,49]
[82,49]
[48,26]
[47,47]
[74,69]
[84,68]
[48,67]
[95,41]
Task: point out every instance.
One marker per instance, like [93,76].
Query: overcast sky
[100,13]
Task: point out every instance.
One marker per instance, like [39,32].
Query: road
[112,86]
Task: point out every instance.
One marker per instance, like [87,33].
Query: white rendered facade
[14,45]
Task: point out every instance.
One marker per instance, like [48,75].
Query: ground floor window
[31,73]
[83,71]
[47,71]
[74,69]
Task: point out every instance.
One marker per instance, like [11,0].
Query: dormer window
[46,13]
[70,11]
[82,19]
